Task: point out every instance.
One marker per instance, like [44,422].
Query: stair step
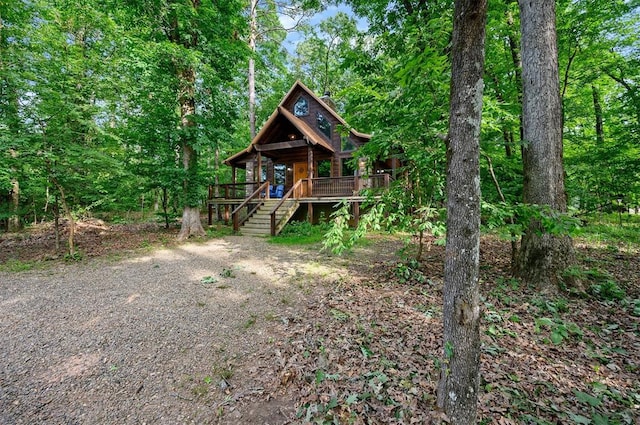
[259,224]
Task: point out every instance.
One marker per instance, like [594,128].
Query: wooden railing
[310,188]
[295,190]
[233,190]
[257,194]
[344,186]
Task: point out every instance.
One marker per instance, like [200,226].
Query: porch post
[394,166]
[259,170]
[233,174]
[310,171]
[310,182]
[210,206]
[356,213]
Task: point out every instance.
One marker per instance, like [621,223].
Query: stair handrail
[279,204]
[235,214]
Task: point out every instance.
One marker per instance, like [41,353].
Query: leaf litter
[365,345]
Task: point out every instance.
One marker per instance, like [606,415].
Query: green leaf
[587,398]
[579,419]
[353,398]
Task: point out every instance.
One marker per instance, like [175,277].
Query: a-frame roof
[282,113]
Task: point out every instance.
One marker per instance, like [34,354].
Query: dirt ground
[236,330]
[139,334]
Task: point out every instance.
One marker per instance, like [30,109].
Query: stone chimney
[326,98]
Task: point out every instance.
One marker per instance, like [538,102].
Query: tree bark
[253,34]
[543,256]
[458,387]
[191,224]
[597,108]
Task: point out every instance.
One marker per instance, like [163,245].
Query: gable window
[301,107]
[347,144]
[323,125]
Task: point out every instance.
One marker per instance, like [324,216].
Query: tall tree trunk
[67,212]
[458,387]
[597,108]
[543,256]
[253,35]
[191,223]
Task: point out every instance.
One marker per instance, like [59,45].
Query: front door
[300,171]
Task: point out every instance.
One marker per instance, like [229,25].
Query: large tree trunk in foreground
[543,256]
[458,387]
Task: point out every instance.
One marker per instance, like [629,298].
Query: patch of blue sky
[294,37]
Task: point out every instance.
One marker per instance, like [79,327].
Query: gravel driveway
[173,337]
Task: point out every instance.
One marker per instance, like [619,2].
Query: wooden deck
[239,201]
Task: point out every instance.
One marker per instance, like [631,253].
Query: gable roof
[330,110]
[308,133]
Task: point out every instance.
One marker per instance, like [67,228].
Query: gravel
[176,336]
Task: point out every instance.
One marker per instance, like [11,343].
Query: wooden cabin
[299,165]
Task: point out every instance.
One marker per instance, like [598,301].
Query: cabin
[299,166]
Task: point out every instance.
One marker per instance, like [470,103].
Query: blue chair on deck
[280,191]
[276,191]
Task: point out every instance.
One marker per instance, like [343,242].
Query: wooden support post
[356,213]
[226,214]
[259,170]
[310,170]
[210,206]
[310,212]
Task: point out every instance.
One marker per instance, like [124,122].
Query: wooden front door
[300,171]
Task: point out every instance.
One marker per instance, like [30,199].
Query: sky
[294,37]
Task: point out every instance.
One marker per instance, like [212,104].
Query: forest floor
[237,330]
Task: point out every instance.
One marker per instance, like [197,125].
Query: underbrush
[300,233]
[612,230]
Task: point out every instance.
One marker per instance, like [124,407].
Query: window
[279,173]
[323,125]
[347,144]
[347,167]
[301,107]
[324,168]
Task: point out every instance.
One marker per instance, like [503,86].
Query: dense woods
[108,110]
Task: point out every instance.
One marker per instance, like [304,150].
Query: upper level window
[347,144]
[323,124]
[301,107]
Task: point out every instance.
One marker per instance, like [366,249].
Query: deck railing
[257,198]
[311,188]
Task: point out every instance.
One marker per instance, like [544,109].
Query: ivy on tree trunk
[543,255]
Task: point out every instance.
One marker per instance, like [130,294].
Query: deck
[240,201]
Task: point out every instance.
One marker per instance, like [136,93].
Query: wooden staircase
[259,224]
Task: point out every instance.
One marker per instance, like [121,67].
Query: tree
[543,255]
[198,45]
[458,387]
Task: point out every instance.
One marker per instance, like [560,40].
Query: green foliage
[607,290]
[300,233]
[559,329]
[409,271]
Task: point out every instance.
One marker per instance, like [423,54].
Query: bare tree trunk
[253,34]
[543,256]
[459,381]
[597,108]
[14,223]
[68,215]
